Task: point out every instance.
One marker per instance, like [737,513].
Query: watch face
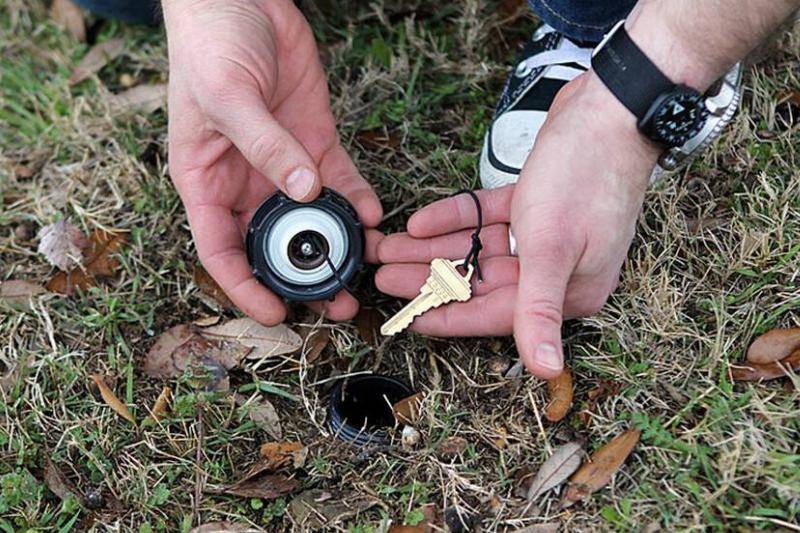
[678,118]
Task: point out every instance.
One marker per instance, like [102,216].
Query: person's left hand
[573,213]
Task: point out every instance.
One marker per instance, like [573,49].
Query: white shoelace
[567,52]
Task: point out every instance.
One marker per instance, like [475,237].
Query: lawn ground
[713,265]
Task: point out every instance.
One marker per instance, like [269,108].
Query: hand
[249,114]
[573,213]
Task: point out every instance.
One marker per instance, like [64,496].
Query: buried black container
[361,408]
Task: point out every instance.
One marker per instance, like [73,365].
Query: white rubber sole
[491,177]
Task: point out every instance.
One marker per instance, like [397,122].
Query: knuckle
[542,310]
[264,148]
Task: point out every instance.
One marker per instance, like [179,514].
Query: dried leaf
[206,321]
[209,286]
[56,481]
[96,58]
[99,262]
[775,370]
[69,16]
[314,509]
[23,172]
[774,345]
[19,293]
[314,341]
[278,454]
[61,244]
[222,527]
[368,322]
[262,413]
[266,487]
[162,404]
[452,446]
[111,399]
[143,99]
[378,139]
[406,529]
[406,411]
[180,349]
[556,469]
[560,393]
[598,470]
[264,340]
[515,371]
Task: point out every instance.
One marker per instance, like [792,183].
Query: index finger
[220,247]
[458,212]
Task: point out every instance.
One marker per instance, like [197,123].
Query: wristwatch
[674,116]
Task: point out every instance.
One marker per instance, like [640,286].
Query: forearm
[695,41]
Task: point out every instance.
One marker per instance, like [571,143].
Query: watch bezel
[649,126]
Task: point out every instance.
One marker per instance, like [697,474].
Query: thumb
[272,150]
[544,272]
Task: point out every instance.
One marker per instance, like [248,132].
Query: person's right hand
[249,114]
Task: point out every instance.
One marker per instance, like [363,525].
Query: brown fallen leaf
[23,172]
[143,99]
[317,508]
[314,341]
[406,529]
[406,411]
[279,454]
[377,139]
[266,487]
[96,58]
[262,413]
[19,293]
[61,244]
[774,345]
[111,399]
[70,17]
[265,341]
[180,350]
[224,526]
[560,393]
[368,321]
[598,470]
[162,404]
[452,446]
[774,370]
[209,286]
[564,461]
[57,483]
[99,262]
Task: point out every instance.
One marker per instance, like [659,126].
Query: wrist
[613,118]
[654,27]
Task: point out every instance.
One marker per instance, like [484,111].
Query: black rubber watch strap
[629,73]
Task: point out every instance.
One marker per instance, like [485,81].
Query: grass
[714,264]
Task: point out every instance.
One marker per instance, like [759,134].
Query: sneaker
[549,61]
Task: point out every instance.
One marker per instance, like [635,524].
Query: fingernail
[300,182]
[547,355]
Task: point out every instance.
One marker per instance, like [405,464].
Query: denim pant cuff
[582,20]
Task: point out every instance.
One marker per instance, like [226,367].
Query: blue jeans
[582,20]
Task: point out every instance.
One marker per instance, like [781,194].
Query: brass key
[444,285]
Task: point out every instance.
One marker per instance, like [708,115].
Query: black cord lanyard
[472,257]
[476,245]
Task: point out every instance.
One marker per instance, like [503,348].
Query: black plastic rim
[361,408]
[270,212]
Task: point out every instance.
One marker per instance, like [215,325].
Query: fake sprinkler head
[305,251]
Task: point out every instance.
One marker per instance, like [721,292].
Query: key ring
[471,259]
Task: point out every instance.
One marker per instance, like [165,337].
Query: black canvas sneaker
[548,61]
